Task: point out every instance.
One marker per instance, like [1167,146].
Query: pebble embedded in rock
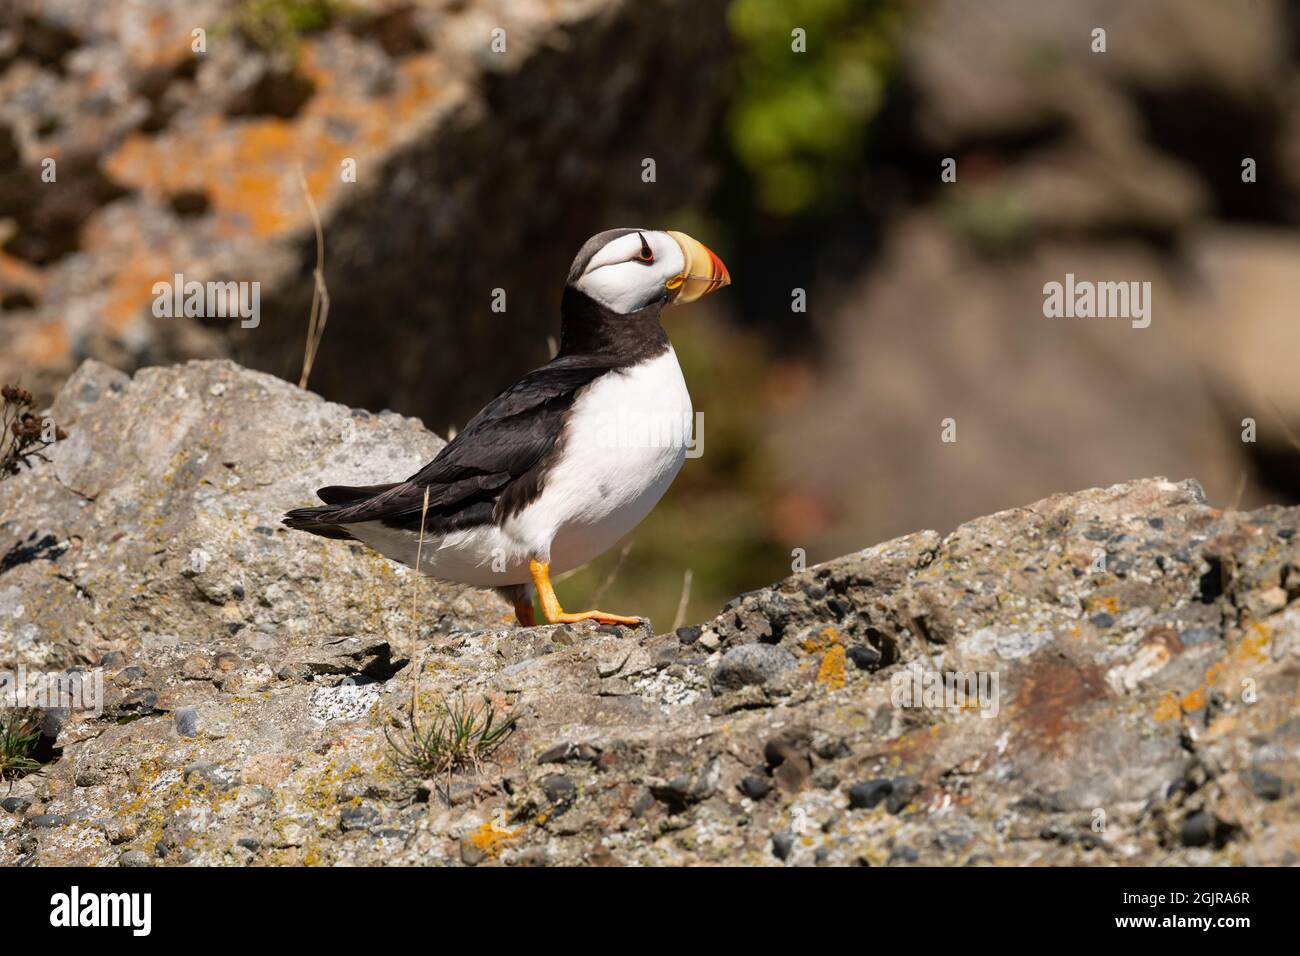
[1197,830]
[140,701]
[755,787]
[129,675]
[688,634]
[903,854]
[752,664]
[187,722]
[839,606]
[569,753]
[903,790]
[869,793]
[360,817]
[134,859]
[676,792]
[895,793]
[864,657]
[782,844]
[558,788]
[15,804]
[951,839]
[829,746]
[1262,784]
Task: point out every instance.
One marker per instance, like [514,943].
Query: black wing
[498,460]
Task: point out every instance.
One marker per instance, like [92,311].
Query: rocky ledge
[1132,652]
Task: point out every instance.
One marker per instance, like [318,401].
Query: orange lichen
[490,838]
[1109,604]
[831,672]
[1250,650]
[1168,708]
[1193,701]
[825,638]
[247,168]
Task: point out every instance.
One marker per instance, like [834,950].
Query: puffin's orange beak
[704,272]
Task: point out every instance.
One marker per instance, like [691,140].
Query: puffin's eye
[646,254]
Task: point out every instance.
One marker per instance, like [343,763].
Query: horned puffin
[534,485]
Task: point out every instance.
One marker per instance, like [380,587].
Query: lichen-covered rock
[444,143]
[1127,660]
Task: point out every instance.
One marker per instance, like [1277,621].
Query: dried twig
[680,617]
[320,296]
[609,580]
[417,659]
[1241,488]
[1281,420]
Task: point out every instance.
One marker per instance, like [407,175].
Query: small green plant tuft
[460,735]
[277,26]
[20,732]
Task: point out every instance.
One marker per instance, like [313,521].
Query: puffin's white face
[633,271]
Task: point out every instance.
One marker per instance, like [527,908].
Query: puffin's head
[626,270]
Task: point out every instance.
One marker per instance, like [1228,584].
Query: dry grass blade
[417,657]
[1241,489]
[605,585]
[320,296]
[680,617]
[1281,420]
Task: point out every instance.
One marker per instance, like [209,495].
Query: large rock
[1145,137]
[1138,649]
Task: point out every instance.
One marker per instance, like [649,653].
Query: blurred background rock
[480,170]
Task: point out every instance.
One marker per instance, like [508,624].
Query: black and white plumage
[534,484]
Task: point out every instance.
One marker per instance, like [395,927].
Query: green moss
[799,121]
[279,25]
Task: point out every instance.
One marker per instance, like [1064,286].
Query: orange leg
[555,614]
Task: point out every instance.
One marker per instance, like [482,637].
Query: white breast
[624,441]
